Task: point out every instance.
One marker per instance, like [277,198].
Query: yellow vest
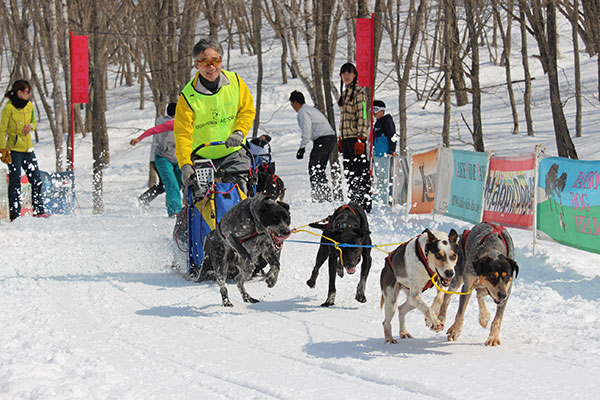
[214,116]
[12,122]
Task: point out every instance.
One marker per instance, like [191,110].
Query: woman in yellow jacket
[16,148]
[215,106]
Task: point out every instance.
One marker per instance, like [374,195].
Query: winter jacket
[203,116]
[383,132]
[313,124]
[163,141]
[354,120]
[12,122]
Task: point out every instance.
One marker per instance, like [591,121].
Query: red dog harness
[496,229]
[338,211]
[420,256]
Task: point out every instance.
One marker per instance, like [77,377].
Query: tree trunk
[575,34]
[447,67]
[505,36]
[473,27]
[564,144]
[457,69]
[526,73]
[408,62]
[100,149]
[257,47]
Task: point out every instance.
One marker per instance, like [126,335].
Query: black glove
[300,153]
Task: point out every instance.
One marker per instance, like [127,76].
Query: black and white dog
[410,268]
[486,263]
[252,230]
[347,225]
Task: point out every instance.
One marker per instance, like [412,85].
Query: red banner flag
[79,69]
[364,51]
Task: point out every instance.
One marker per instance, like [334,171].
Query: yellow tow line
[447,291]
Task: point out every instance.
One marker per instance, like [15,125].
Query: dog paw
[361,298]
[492,341]
[248,299]
[434,324]
[391,340]
[271,281]
[405,335]
[311,283]
[227,303]
[453,333]
[327,304]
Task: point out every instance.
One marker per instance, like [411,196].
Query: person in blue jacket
[383,149]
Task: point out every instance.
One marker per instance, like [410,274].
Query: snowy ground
[91,310]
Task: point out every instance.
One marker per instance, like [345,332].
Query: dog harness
[496,229]
[420,256]
[338,211]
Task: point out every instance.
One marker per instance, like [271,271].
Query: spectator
[163,142]
[216,105]
[354,129]
[16,148]
[383,148]
[316,128]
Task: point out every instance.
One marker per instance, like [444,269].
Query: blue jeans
[28,162]
[170,175]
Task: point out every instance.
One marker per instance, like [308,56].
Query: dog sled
[262,175]
[206,202]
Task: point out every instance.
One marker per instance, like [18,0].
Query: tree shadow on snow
[567,283]
[375,348]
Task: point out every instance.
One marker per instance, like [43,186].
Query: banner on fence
[424,170]
[460,183]
[568,208]
[509,191]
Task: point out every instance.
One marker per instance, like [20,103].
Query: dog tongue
[279,239]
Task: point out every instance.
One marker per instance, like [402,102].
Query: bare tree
[474,28]
[404,77]
[544,31]
[525,63]
[506,42]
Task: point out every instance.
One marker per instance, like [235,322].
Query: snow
[90,308]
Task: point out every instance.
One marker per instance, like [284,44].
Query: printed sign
[568,208]
[460,183]
[509,191]
[424,172]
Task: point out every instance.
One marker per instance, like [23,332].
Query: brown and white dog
[410,268]
[486,262]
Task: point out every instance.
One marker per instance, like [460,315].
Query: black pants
[28,162]
[319,186]
[356,172]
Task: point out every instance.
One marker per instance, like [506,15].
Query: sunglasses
[208,62]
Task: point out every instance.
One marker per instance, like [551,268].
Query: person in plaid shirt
[354,130]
